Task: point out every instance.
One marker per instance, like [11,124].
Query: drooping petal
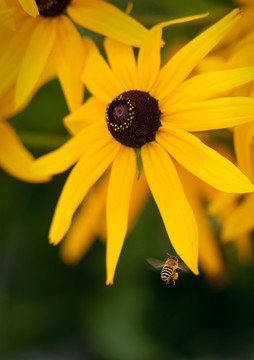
[85,173]
[241,221]
[98,77]
[30,7]
[123,172]
[91,111]
[175,210]
[187,58]
[123,63]
[203,161]
[85,226]
[208,85]
[37,53]
[64,157]
[106,19]
[211,114]
[149,59]
[243,143]
[69,55]
[15,159]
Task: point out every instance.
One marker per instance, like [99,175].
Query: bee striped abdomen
[166,272]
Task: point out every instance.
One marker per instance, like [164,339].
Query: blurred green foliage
[49,310]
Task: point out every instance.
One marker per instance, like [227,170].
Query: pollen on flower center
[133,118]
[52,8]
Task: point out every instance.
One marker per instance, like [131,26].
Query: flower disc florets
[133,118]
[52,7]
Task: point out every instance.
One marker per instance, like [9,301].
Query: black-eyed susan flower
[141,114]
[52,35]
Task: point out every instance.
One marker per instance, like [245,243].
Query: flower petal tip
[109,282]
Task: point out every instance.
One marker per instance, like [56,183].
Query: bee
[168,268]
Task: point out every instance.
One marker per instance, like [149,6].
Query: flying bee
[168,268]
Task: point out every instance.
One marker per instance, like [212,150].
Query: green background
[49,310]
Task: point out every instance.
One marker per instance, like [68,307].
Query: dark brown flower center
[52,7]
[133,118]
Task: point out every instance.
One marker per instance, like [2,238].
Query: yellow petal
[187,58]
[91,111]
[149,59]
[181,20]
[35,59]
[203,161]
[243,143]
[83,176]
[98,77]
[84,228]
[123,173]
[15,159]
[13,46]
[211,114]
[61,159]
[6,17]
[106,19]
[123,63]
[69,55]
[208,85]
[30,7]
[175,210]
[241,221]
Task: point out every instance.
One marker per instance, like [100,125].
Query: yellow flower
[234,211]
[15,159]
[234,214]
[153,109]
[53,35]
[241,222]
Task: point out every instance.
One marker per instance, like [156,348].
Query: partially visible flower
[235,211]
[149,116]
[241,220]
[234,214]
[52,34]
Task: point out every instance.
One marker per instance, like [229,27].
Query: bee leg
[175,277]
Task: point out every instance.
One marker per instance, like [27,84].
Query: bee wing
[156,263]
[183,267]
